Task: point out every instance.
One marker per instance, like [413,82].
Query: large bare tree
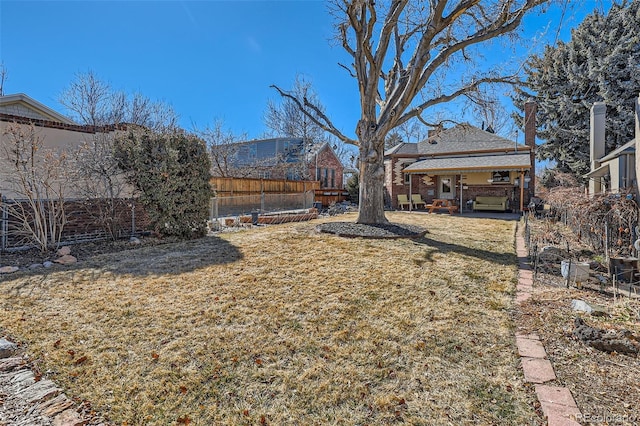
[401,50]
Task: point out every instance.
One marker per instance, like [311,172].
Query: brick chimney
[597,120]
[530,108]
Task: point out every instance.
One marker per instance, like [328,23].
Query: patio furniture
[491,203]
[417,200]
[442,204]
[403,200]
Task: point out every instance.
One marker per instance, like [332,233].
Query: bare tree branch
[318,117]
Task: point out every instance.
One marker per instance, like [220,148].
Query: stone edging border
[557,403]
[35,400]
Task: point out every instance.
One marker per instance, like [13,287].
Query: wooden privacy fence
[229,186]
[239,187]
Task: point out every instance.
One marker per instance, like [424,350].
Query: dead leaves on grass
[306,325]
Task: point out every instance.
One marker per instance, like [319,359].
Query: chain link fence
[84,221]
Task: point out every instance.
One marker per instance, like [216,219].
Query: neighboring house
[614,172]
[324,164]
[287,158]
[57,132]
[461,163]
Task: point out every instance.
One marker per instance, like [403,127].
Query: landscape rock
[67,259]
[47,264]
[9,364]
[55,405]
[68,418]
[8,269]
[135,241]
[36,266]
[21,380]
[39,391]
[7,348]
[551,254]
[63,251]
[582,306]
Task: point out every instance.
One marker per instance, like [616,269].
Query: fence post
[4,226]
[133,217]
[262,201]
[213,208]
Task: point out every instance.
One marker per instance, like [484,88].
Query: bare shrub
[38,179]
[604,222]
[101,183]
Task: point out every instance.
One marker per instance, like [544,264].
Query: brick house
[324,164]
[287,158]
[461,163]
[57,134]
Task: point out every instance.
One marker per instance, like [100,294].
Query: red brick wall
[530,109]
[82,222]
[328,160]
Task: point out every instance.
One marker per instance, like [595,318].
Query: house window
[407,178]
[500,176]
[292,175]
[333,178]
[325,178]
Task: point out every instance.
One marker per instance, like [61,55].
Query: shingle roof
[468,163]
[464,138]
[403,148]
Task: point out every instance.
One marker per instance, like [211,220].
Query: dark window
[333,178]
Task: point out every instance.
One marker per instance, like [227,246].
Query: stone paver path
[557,403]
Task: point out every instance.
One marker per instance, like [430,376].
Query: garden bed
[604,385]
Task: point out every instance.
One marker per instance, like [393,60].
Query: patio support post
[410,193]
[521,190]
[460,192]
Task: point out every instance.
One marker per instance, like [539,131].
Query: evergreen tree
[601,63]
[392,140]
[171,171]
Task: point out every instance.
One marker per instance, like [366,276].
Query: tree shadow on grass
[170,258]
[439,246]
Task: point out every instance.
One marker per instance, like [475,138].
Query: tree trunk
[371,182]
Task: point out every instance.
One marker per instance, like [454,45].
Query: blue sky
[211,60]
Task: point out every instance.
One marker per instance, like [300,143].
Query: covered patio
[463,179]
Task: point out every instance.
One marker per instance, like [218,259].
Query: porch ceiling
[470,164]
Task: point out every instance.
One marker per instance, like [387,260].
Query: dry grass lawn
[286,326]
